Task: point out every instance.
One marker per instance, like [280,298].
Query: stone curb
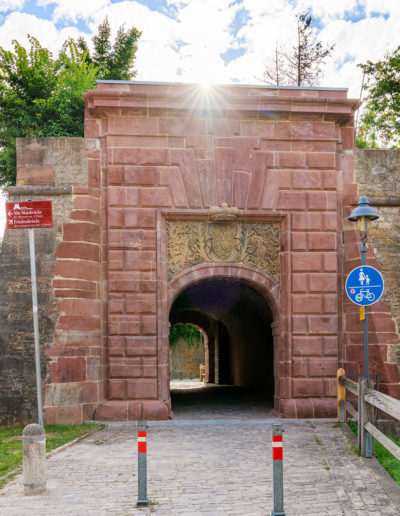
[75,441]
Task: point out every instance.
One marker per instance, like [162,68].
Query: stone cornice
[38,190]
[326,104]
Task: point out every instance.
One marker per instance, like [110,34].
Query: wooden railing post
[341,396]
[365,415]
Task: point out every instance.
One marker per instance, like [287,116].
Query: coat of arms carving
[218,240]
[223,242]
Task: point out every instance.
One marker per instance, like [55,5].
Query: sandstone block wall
[55,169]
[160,153]
[171,152]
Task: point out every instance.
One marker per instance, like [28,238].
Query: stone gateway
[224,208]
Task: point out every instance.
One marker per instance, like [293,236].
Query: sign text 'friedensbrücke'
[29,214]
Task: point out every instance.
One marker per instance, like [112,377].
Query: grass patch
[317,441]
[56,435]
[384,457]
[353,426]
[325,464]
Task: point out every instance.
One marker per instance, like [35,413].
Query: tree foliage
[41,95]
[190,334]
[302,64]
[380,122]
[113,62]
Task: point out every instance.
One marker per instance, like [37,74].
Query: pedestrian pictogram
[364,285]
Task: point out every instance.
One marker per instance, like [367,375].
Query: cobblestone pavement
[209,467]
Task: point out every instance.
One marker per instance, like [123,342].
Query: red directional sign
[29,214]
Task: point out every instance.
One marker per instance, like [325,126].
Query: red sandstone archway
[264,285]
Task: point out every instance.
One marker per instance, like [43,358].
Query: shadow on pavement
[192,399]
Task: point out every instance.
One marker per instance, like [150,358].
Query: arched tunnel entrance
[236,319]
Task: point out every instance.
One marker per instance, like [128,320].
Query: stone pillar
[34,459]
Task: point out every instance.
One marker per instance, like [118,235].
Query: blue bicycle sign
[364,285]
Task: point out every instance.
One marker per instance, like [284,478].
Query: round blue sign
[364,285]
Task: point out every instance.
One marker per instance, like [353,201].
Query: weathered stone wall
[185,360]
[376,174]
[17,361]
[48,168]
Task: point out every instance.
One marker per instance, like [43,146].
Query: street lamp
[363,214]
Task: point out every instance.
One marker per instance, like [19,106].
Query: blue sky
[221,41]
[215,41]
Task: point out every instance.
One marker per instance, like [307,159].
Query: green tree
[190,334]
[302,64]
[380,122]
[41,95]
[114,62]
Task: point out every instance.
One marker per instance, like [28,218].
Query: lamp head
[363,209]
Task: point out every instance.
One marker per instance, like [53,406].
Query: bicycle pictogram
[365,294]
[364,285]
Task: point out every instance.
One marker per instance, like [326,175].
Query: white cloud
[17,25]
[185,41]
[184,48]
[8,5]
[367,39]
[204,29]
[74,9]
[391,7]
[327,10]
[156,59]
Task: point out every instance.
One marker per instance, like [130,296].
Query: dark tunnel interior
[237,321]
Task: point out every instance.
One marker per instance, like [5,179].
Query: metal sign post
[364,286]
[36,326]
[30,215]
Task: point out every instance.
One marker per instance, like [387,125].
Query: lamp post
[363,214]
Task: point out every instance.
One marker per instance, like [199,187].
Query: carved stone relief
[192,243]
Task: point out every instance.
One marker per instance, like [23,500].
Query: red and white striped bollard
[142,464]
[277,470]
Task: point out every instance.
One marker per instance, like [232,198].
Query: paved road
[209,467]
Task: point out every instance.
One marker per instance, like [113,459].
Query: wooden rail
[367,400]
[349,384]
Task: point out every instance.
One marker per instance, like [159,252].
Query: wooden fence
[367,400]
